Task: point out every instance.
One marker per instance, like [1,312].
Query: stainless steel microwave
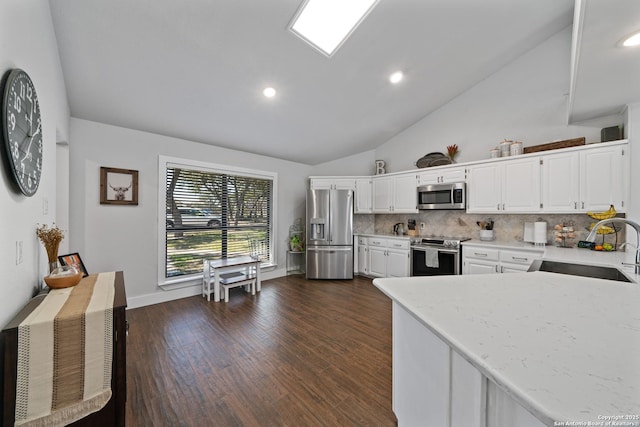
[442,196]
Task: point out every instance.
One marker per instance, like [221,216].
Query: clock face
[22,131]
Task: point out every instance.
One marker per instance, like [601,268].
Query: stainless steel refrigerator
[329,234]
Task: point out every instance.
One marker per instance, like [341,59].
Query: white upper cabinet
[382,195]
[395,194]
[363,197]
[484,188]
[586,180]
[572,180]
[346,183]
[521,185]
[561,182]
[442,175]
[405,194]
[510,186]
[603,178]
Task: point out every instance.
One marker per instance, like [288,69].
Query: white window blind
[213,215]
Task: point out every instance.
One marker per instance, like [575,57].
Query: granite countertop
[564,347]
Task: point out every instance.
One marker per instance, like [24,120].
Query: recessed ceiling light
[269,92]
[326,24]
[396,77]
[632,40]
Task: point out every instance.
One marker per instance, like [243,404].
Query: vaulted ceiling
[196,69]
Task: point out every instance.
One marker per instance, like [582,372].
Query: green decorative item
[296,236]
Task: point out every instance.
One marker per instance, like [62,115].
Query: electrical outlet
[18,252]
[422,226]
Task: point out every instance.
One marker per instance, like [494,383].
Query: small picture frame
[118,186]
[74,260]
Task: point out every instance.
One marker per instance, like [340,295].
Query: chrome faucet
[592,236]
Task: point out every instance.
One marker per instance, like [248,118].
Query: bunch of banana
[609,213]
[603,229]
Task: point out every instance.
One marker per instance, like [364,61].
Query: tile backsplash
[507,227]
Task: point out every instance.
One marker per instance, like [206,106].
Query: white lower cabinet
[481,259]
[433,385]
[388,257]
[362,256]
[398,261]
[378,261]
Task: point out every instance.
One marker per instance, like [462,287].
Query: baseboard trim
[164,295]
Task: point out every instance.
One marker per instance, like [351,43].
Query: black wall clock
[22,130]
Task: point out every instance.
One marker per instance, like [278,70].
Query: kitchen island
[522,349]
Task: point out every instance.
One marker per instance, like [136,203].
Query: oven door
[423,261]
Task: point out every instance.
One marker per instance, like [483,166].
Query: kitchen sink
[598,272]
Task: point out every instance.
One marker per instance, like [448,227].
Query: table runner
[65,350]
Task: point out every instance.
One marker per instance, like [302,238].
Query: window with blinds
[215,215]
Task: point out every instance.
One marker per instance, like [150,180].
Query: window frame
[165,162]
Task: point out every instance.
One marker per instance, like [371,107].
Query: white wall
[358,164]
[110,237]
[62,193]
[632,132]
[28,42]
[525,101]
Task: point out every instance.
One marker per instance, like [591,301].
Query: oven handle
[446,250]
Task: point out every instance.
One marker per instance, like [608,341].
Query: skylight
[326,24]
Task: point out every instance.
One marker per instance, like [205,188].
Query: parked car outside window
[194,218]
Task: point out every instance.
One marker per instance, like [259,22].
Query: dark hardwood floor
[299,353]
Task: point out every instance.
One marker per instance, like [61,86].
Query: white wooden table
[248,266]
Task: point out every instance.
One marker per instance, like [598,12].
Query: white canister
[486,235]
[494,153]
[516,148]
[505,148]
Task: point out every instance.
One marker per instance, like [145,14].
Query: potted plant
[295,243]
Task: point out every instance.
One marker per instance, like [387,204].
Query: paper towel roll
[540,233]
[528,232]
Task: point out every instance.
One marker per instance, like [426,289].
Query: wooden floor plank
[299,353]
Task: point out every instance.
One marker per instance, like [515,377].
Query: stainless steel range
[436,256]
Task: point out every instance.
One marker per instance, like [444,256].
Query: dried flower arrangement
[50,238]
[452,151]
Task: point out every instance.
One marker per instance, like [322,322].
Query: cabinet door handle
[498,206]
[575,205]
[503,206]
[582,205]
[497,268]
[516,258]
[501,269]
[480,254]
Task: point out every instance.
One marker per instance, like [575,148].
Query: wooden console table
[113,413]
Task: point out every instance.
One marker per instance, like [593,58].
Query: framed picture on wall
[118,186]
[74,260]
